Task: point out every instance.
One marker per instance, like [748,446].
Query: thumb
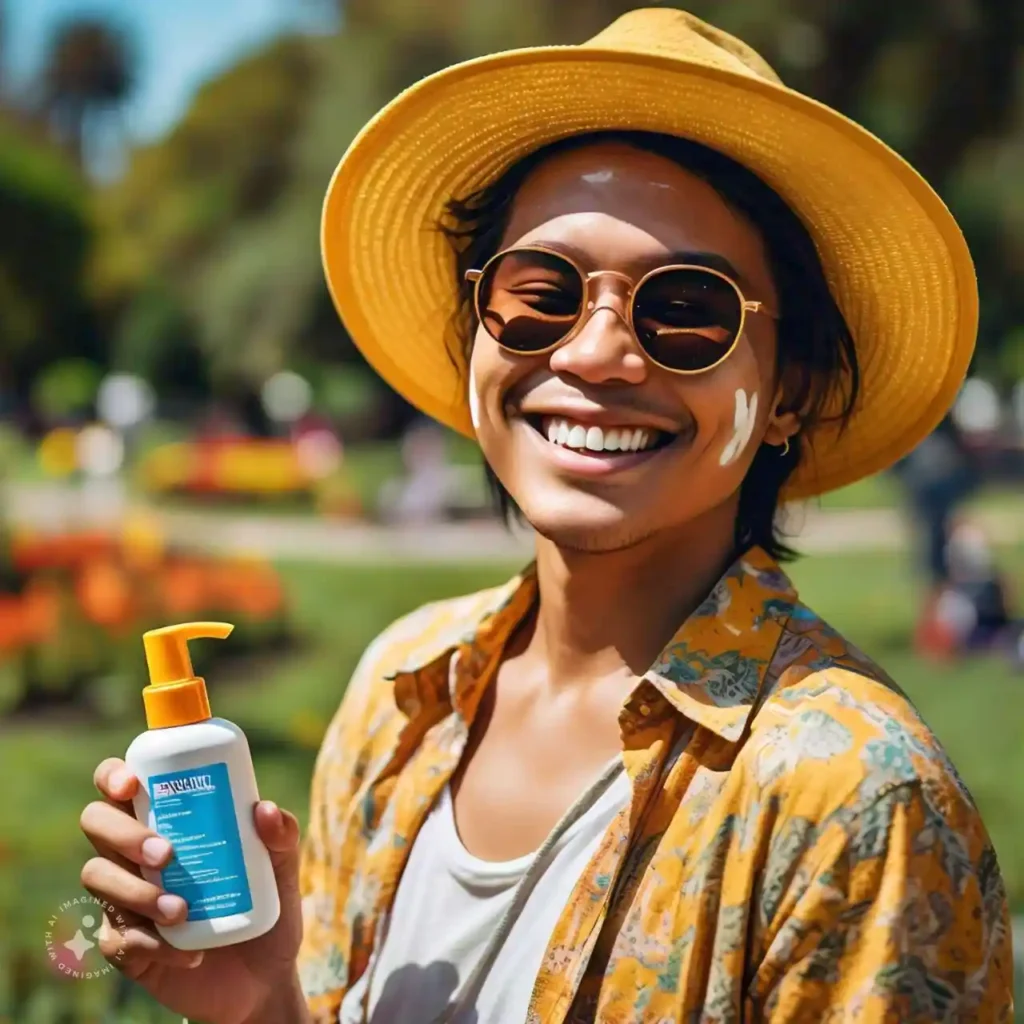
[279,831]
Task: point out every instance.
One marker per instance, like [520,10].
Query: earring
[785,449]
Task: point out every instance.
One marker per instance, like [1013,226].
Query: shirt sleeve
[897,913]
[338,773]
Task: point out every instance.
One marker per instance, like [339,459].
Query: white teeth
[597,439]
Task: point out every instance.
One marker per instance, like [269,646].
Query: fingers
[113,779]
[279,831]
[110,829]
[135,948]
[115,884]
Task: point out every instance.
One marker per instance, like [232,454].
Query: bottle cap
[176,696]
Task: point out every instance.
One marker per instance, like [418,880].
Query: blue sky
[180,43]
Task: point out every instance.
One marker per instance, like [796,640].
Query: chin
[577,521]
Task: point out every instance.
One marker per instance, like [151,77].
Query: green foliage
[43,247]
[66,389]
[156,340]
[224,162]
[345,393]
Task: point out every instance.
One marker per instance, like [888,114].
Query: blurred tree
[89,73]
[66,389]
[189,204]
[157,340]
[44,313]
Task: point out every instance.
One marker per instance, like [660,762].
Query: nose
[603,350]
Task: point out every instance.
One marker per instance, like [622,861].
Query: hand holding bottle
[228,985]
[201,874]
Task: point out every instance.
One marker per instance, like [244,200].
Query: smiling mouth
[599,441]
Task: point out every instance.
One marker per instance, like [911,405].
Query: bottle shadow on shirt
[416,994]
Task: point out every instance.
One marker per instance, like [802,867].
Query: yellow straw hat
[894,257]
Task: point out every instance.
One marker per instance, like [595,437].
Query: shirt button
[644,709]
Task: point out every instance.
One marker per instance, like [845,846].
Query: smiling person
[641,780]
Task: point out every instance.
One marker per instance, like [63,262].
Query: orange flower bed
[28,618]
[114,587]
[31,552]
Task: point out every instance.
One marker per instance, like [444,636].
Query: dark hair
[816,360]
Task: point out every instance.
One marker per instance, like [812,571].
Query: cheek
[729,404]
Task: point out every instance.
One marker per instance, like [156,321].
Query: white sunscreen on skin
[743,426]
[474,401]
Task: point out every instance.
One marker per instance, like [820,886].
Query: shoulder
[419,641]
[422,636]
[835,733]
[841,763]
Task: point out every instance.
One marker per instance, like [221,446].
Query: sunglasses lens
[529,300]
[686,319]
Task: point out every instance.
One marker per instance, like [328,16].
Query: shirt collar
[711,670]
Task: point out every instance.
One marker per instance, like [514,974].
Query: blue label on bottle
[194,811]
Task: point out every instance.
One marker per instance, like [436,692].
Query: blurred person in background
[972,611]
[430,490]
[640,780]
[939,475]
[967,605]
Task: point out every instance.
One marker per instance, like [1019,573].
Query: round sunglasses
[685,318]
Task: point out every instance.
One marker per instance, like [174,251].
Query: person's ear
[783,423]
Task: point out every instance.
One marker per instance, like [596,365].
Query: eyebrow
[688,257]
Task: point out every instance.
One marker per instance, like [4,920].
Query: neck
[602,613]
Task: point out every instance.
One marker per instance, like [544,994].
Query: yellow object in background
[143,539]
[58,452]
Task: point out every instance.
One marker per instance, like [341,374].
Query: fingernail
[197,959]
[120,779]
[155,850]
[169,906]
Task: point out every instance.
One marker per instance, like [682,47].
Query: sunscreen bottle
[197,789]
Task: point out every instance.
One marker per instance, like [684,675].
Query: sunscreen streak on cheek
[474,400]
[743,426]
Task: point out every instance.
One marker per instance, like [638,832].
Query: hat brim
[894,257]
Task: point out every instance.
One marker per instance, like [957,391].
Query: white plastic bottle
[198,790]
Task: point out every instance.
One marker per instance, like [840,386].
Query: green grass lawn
[883,491]
[977,710]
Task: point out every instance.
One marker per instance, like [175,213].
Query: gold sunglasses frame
[588,308]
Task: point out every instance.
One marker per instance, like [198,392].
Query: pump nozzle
[167,649]
[176,696]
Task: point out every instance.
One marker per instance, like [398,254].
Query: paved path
[56,507]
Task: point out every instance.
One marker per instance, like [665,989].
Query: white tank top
[450,905]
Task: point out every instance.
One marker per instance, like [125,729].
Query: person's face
[617,208]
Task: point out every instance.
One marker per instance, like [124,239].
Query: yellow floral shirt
[811,855]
